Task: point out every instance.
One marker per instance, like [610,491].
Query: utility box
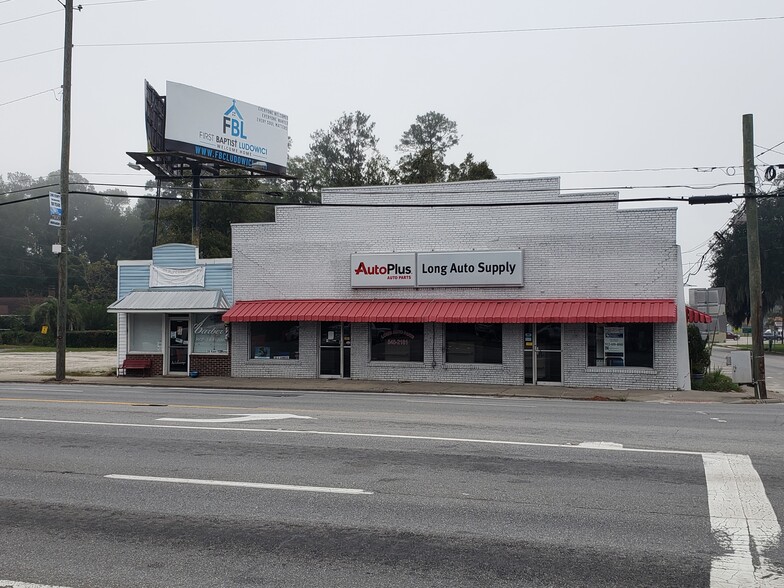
[741,367]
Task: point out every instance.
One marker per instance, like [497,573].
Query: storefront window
[619,345]
[397,342]
[473,343]
[276,340]
[209,334]
[146,333]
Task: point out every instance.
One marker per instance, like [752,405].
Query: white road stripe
[349,434]
[12,584]
[239,484]
[237,418]
[743,521]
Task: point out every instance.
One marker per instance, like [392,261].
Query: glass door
[542,353]
[335,353]
[178,345]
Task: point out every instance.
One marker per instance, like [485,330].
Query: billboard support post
[196,210]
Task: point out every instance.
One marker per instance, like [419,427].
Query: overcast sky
[582,96]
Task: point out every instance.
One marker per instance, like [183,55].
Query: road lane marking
[12,584]
[323,489]
[743,521]
[347,434]
[238,418]
[601,445]
[718,420]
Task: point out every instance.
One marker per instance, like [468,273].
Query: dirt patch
[43,363]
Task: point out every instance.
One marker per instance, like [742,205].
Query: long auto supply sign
[222,128]
[437,269]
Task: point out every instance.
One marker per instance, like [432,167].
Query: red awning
[695,316]
[456,311]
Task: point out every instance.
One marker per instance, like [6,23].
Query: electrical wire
[770,149]
[30,55]
[699,168]
[31,96]
[30,17]
[439,34]
[559,202]
[85,4]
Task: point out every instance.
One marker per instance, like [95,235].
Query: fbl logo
[233,121]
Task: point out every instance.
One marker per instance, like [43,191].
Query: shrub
[77,339]
[716,381]
[699,352]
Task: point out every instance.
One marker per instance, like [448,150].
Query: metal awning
[149,301]
[456,311]
[695,316]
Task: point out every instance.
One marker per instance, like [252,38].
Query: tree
[729,265]
[46,314]
[424,146]
[470,170]
[346,154]
[175,218]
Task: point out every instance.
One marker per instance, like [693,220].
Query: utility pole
[755,270]
[65,162]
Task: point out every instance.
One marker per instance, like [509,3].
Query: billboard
[225,129]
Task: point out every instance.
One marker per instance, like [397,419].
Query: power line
[560,202]
[31,96]
[697,168]
[29,17]
[30,55]
[770,149]
[112,2]
[439,34]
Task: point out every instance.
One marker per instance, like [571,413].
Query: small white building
[500,281]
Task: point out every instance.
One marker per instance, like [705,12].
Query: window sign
[613,340]
[209,334]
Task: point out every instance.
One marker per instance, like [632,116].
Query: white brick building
[598,300]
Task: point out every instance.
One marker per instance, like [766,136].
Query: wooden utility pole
[755,270]
[65,162]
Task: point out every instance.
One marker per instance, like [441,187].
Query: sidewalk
[368,386]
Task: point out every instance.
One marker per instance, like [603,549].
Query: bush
[699,352]
[73,339]
[27,338]
[716,381]
[81,339]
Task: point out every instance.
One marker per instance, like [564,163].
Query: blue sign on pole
[55,210]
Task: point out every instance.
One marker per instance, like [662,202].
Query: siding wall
[135,275]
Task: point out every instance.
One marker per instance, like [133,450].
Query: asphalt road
[255,488]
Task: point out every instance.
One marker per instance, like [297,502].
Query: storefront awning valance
[140,301]
[695,316]
[456,311]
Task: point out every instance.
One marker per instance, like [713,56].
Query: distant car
[732,336]
[768,334]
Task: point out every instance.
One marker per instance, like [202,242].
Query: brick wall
[587,250]
[211,365]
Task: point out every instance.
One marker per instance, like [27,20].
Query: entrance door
[178,345]
[335,355]
[542,353]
